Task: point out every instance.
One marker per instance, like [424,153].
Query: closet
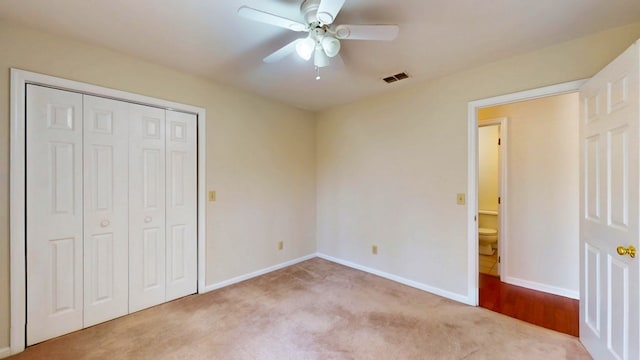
[111,209]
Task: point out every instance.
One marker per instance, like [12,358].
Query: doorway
[541,223]
[563,285]
[491,171]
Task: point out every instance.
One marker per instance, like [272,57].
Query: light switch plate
[460,199]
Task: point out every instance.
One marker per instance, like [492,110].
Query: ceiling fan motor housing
[309,10]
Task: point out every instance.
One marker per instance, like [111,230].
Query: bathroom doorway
[539,236]
[491,149]
[538,239]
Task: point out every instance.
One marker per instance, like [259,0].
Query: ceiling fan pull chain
[317,73]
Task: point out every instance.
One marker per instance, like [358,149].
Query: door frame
[17,185]
[502,185]
[472,169]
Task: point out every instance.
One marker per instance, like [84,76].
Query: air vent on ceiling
[396,77]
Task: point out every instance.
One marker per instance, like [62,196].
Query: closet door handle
[104,223]
[147,219]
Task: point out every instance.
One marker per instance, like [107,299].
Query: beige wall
[488,167]
[260,154]
[389,167]
[542,223]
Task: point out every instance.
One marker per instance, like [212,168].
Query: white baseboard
[542,287]
[398,279]
[5,352]
[401,280]
[241,278]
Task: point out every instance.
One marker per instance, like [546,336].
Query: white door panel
[610,117]
[147,213]
[54,213]
[182,270]
[106,245]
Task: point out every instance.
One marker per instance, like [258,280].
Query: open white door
[609,202]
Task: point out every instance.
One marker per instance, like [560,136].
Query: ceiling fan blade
[271,19]
[328,10]
[367,32]
[283,52]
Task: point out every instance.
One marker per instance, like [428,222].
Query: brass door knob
[631,251]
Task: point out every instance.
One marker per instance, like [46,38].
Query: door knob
[104,223]
[147,219]
[631,251]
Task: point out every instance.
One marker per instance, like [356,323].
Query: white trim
[472,161]
[503,215]
[401,280]
[543,287]
[557,89]
[5,352]
[17,263]
[472,207]
[19,79]
[254,274]
[202,199]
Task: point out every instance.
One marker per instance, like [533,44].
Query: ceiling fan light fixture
[331,46]
[320,58]
[305,48]
[324,39]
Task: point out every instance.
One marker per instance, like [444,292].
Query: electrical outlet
[374,249]
[212,195]
[460,199]
[280,245]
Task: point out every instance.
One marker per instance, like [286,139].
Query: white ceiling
[207,38]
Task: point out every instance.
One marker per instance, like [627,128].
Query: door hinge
[498,259]
[499,141]
[499,200]
[475,218]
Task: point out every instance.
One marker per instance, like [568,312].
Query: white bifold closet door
[182,262]
[111,209]
[162,212]
[54,213]
[106,207]
[147,207]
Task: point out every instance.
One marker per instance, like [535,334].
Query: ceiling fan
[323,39]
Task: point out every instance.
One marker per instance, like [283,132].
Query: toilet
[487,237]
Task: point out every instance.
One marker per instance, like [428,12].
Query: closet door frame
[17,200]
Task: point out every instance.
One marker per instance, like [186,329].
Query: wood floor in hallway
[547,310]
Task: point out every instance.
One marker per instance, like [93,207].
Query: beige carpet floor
[312,310]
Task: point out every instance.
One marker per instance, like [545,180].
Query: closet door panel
[146,207]
[106,245]
[182,270]
[54,213]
